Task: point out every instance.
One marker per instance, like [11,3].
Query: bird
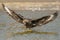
[29,23]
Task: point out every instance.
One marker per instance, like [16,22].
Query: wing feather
[45,19]
[13,14]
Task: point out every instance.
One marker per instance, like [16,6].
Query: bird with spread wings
[29,23]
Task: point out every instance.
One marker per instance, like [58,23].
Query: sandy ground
[31,5]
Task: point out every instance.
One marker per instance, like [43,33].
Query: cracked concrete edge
[27,5]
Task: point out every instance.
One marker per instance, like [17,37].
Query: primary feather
[45,19]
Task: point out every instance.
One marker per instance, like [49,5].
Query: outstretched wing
[45,19]
[15,16]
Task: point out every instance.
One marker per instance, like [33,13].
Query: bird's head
[26,21]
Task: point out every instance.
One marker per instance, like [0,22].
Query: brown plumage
[29,23]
